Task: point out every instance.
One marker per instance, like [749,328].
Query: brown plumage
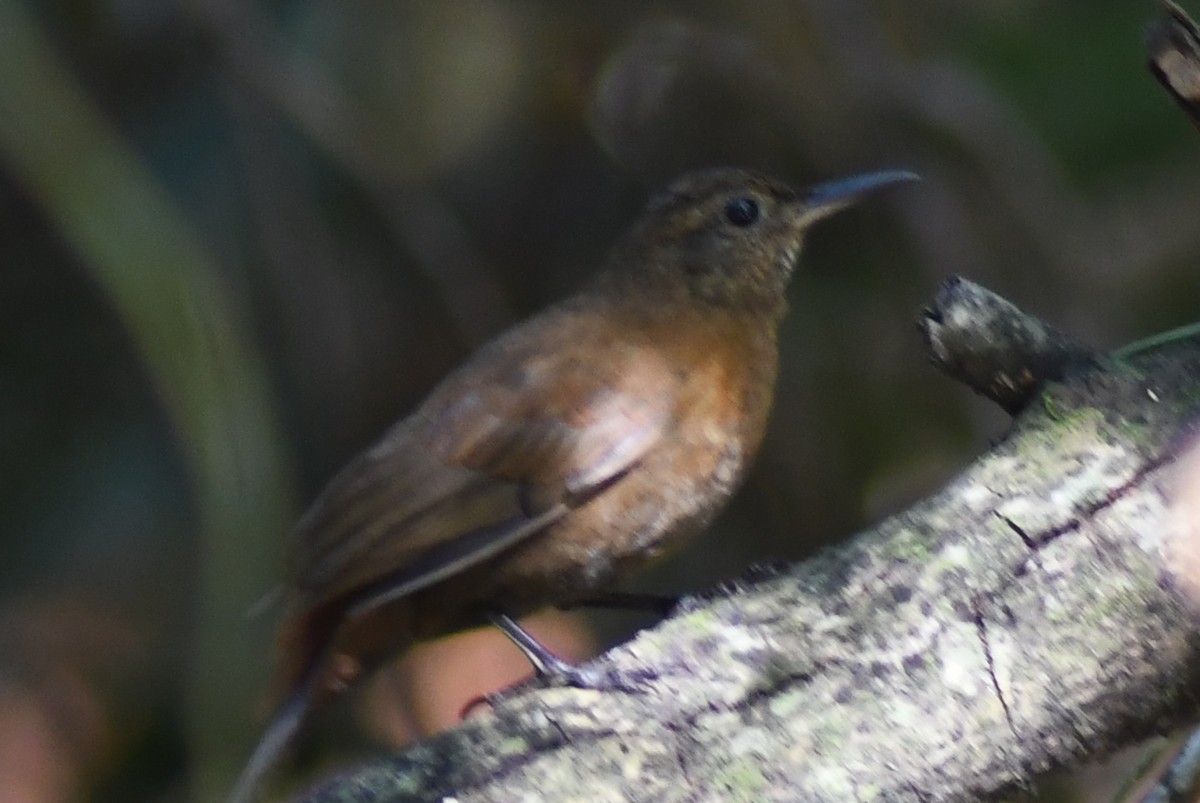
[566,453]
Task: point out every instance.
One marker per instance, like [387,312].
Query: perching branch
[1029,616]
[983,341]
[1174,45]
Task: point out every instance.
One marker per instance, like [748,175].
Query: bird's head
[731,237]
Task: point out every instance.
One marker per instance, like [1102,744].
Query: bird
[564,455]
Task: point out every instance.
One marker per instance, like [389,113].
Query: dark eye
[741,211]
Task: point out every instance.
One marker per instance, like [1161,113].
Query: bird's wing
[495,455]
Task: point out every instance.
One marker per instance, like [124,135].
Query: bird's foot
[596,678]
[564,675]
[554,671]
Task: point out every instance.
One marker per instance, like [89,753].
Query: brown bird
[566,453]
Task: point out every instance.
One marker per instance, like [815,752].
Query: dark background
[237,240]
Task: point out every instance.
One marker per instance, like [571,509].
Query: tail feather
[284,725]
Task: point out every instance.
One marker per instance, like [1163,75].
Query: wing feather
[495,455]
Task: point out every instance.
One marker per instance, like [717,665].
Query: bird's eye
[741,211]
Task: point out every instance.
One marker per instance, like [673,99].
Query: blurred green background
[238,239]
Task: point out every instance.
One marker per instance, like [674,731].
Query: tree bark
[1174,45]
[1037,612]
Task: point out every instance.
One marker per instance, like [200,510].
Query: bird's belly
[662,503]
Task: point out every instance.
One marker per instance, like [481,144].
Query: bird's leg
[545,663]
[550,667]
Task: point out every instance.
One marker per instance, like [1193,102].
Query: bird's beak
[833,196]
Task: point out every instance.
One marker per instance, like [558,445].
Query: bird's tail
[281,730]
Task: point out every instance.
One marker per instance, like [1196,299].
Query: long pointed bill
[833,196]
